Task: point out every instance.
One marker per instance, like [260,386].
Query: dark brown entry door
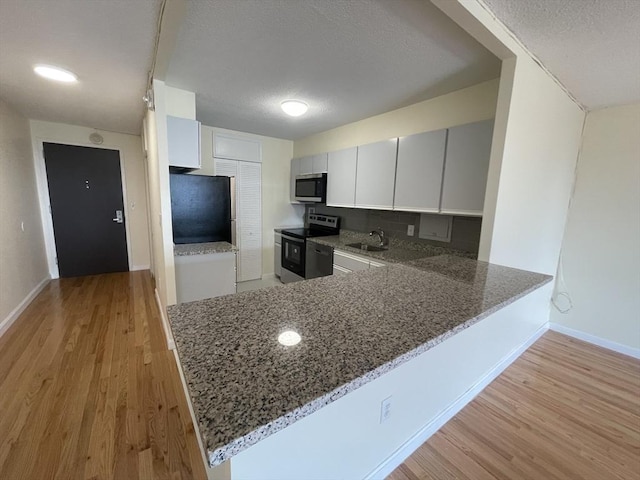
[85,190]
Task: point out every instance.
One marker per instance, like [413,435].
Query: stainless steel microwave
[311,188]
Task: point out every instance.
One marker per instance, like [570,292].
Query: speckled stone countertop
[203,248]
[245,386]
[400,251]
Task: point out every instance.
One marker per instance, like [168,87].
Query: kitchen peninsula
[244,386]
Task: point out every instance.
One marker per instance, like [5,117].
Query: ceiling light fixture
[295,108]
[55,73]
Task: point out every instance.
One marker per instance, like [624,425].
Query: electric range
[294,248]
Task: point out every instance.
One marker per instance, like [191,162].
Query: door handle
[119,218]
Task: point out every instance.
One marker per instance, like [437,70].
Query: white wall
[601,247]
[160,197]
[23,264]
[457,108]
[535,174]
[345,439]
[536,139]
[276,164]
[134,186]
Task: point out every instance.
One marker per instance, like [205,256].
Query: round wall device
[96,138]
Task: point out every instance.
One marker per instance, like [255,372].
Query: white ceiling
[347,59]
[591,46]
[108,43]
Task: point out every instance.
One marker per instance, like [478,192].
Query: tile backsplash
[465,234]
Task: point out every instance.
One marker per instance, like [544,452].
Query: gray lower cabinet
[277,255]
[419,172]
[347,262]
[466,168]
[205,276]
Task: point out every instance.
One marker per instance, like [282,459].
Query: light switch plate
[410,230]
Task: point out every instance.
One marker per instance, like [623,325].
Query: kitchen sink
[367,247]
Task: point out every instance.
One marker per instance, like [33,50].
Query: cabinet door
[419,172]
[236,148]
[319,163]
[338,270]
[205,276]
[277,259]
[341,178]
[465,169]
[183,137]
[376,175]
[248,188]
[295,170]
[350,262]
[306,165]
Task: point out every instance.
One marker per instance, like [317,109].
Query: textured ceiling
[347,59]
[591,46]
[108,44]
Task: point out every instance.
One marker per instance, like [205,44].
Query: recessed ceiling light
[55,73]
[295,108]
[289,338]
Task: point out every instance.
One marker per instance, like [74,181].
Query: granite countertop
[203,248]
[245,386]
[400,251]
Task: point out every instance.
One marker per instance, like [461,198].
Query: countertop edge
[208,248]
[221,454]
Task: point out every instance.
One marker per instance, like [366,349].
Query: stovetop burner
[319,226]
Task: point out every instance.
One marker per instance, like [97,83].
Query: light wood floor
[563,410]
[88,391]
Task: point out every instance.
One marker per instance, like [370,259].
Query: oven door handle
[293,239]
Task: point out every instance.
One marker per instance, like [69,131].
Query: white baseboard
[15,313]
[411,445]
[135,268]
[165,323]
[601,342]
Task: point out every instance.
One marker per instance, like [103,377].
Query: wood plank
[89,390]
[564,409]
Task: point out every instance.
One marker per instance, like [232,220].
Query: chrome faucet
[384,241]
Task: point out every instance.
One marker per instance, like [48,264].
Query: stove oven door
[293,256]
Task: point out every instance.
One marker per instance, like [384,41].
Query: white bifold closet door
[248,215]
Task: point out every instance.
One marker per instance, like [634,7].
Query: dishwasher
[319,261]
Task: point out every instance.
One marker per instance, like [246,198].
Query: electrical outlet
[410,230]
[312,209]
[385,409]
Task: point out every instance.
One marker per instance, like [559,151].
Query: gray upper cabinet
[295,170]
[319,163]
[183,138]
[466,168]
[341,177]
[376,174]
[306,165]
[419,172]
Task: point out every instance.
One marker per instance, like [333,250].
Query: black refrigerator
[202,208]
